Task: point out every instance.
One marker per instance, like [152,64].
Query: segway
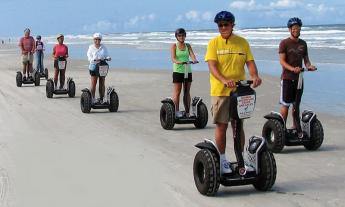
[34,79]
[50,89]
[112,100]
[198,116]
[277,135]
[43,74]
[206,167]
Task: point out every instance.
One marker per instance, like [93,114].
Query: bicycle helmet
[97,36]
[294,20]
[224,16]
[180,31]
[38,37]
[59,35]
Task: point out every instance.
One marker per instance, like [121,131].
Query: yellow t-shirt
[231,56]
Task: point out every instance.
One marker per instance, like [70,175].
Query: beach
[51,154]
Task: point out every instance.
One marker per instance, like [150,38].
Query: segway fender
[275,115]
[168,100]
[86,90]
[208,144]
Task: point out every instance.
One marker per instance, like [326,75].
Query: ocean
[324,89]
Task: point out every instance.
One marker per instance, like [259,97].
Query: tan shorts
[220,109]
[27,58]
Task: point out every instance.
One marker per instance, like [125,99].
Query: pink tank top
[60,50]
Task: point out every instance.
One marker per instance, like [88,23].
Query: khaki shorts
[27,58]
[220,109]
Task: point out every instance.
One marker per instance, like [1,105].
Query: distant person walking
[27,46]
[292,52]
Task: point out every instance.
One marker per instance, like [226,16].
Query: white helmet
[97,36]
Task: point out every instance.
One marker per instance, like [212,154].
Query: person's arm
[213,68]
[173,54]
[33,46]
[21,45]
[253,72]
[89,55]
[66,52]
[191,53]
[53,54]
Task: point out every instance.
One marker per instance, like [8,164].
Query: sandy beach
[51,154]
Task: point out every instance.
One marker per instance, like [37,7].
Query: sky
[50,17]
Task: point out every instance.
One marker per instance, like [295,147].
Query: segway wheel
[167,116]
[49,88]
[268,172]
[85,102]
[316,137]
[202,118]
[37,79]
[19,79]
[206,172]
[273,132]
[114,102]
[46,73]
[71,89]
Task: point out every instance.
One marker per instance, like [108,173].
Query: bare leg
[62,78]
[176,95]
[220,134]
[93,86]
[187,105]
[56,75]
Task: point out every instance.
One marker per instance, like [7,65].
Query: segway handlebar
[306,70]
[244,82]
[103,59]
[189,62]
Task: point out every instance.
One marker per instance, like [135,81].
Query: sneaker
[24,78]
[225,167]
[178,114]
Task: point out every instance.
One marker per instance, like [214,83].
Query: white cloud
[192,15]
[207,16]
[321,8]
[139,19]
[281,4]
[101,26]
[243,5]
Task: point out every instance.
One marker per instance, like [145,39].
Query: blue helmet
[294,20]
[224,16]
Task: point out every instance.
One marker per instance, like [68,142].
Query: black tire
[206,172]
[85,102]
[273,132]
[268,172]
[37,79]
[114,102]
[46,73]
[202,118]
[19,79]
[71,89]
[167,116]
[49,88]
[316,137]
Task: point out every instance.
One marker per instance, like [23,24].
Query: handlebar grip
[244,82]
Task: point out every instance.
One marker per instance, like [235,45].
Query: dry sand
[51,154]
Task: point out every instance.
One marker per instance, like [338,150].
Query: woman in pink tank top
[60,55]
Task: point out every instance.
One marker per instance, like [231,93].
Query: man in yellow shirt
[226,56]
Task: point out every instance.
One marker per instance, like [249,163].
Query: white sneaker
[178,114]
[225,167]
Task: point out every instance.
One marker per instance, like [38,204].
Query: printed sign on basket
[245,106]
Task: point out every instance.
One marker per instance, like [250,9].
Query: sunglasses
[181,35]
[97,39]
[224,25]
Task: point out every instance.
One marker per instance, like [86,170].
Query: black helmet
[180,31]
[38,37]
[224,16]
[294,20]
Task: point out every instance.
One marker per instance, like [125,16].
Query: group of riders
[227,54]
